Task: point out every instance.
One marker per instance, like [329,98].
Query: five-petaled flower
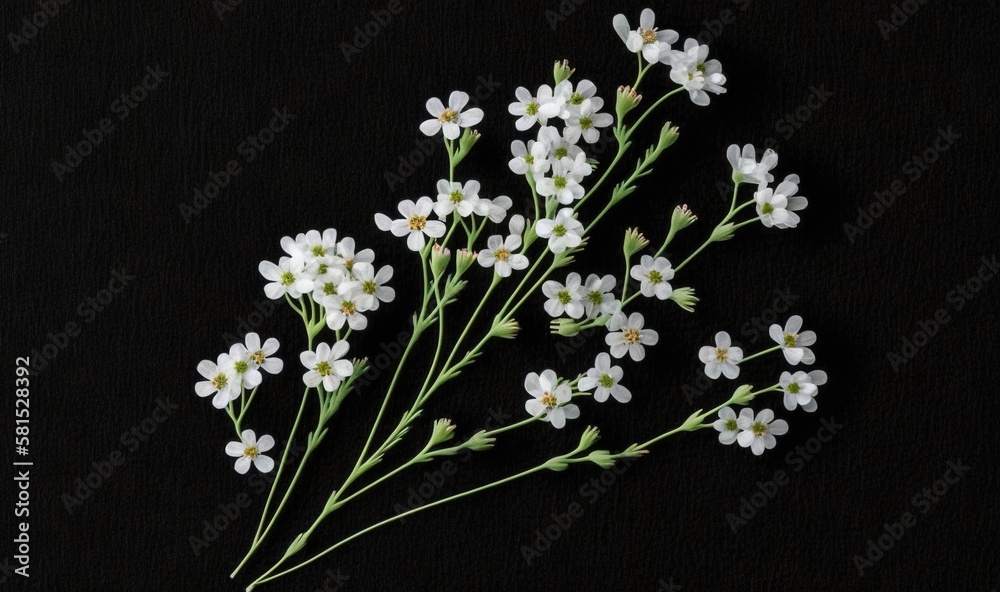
[604,379]
[414,223]
[325,366]
[451,118]
[250,450]
[793,343]
[551,399]
[626,336]
[801,388]
[723,359]
[757,433]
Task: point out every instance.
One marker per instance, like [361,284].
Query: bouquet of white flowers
[333,286]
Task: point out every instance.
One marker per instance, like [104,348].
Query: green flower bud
[442,431]
[685,298]
[464,258]
[439,259]
[628,99]
[743,395]
[668,135]
[565,327]
[681,218]
[722,232]
[506,330]
[634,242]
[479,441]
[561,71]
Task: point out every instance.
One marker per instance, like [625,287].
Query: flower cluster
[798,389]
[228,379]
[689,67]
[333,274]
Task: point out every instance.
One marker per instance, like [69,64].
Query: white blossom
[605,378]
[723,359]
[551,399]
[414,223]
[249,450]
[450,118]
[627,336]
[757,433]
[793,343]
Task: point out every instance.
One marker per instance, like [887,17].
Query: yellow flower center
[631,336]
[323,368]
[418,222]
[549,400]
[648,36]
[721,355]
[759,428]
[220,381]
[448,116]
[251,452]
[258,357]
[501,254]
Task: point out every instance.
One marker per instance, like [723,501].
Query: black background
[664,519]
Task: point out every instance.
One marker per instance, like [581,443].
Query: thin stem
[258,538]
[647,112]
[760,353]
[268,577]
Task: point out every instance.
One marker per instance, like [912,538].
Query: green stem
[760,353]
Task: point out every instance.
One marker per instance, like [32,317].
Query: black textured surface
[664,521]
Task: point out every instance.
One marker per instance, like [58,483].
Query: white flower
[327,282]
[261,354]
[368,282]
[598,298]
[325,366]
[250,450]
[531,109]
[557,143]
[585,89]
[564,231]
[534,157]
[727,426]
[313,246]
[289,276]
[801,389]
[495,209]
[577,166]
[653,44]
[721,359]
[587,121]
[550,398]
[345,250]
[245,372]
[452,118]
[758,432]
[566,298]
[456,197]
[690,70]
[563,184]
[776,207]
[745,165]
[414,223]
[654,276]
[500,255]
[221,380]
[605,378]
[347,306]
[627,336]
[794,344]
